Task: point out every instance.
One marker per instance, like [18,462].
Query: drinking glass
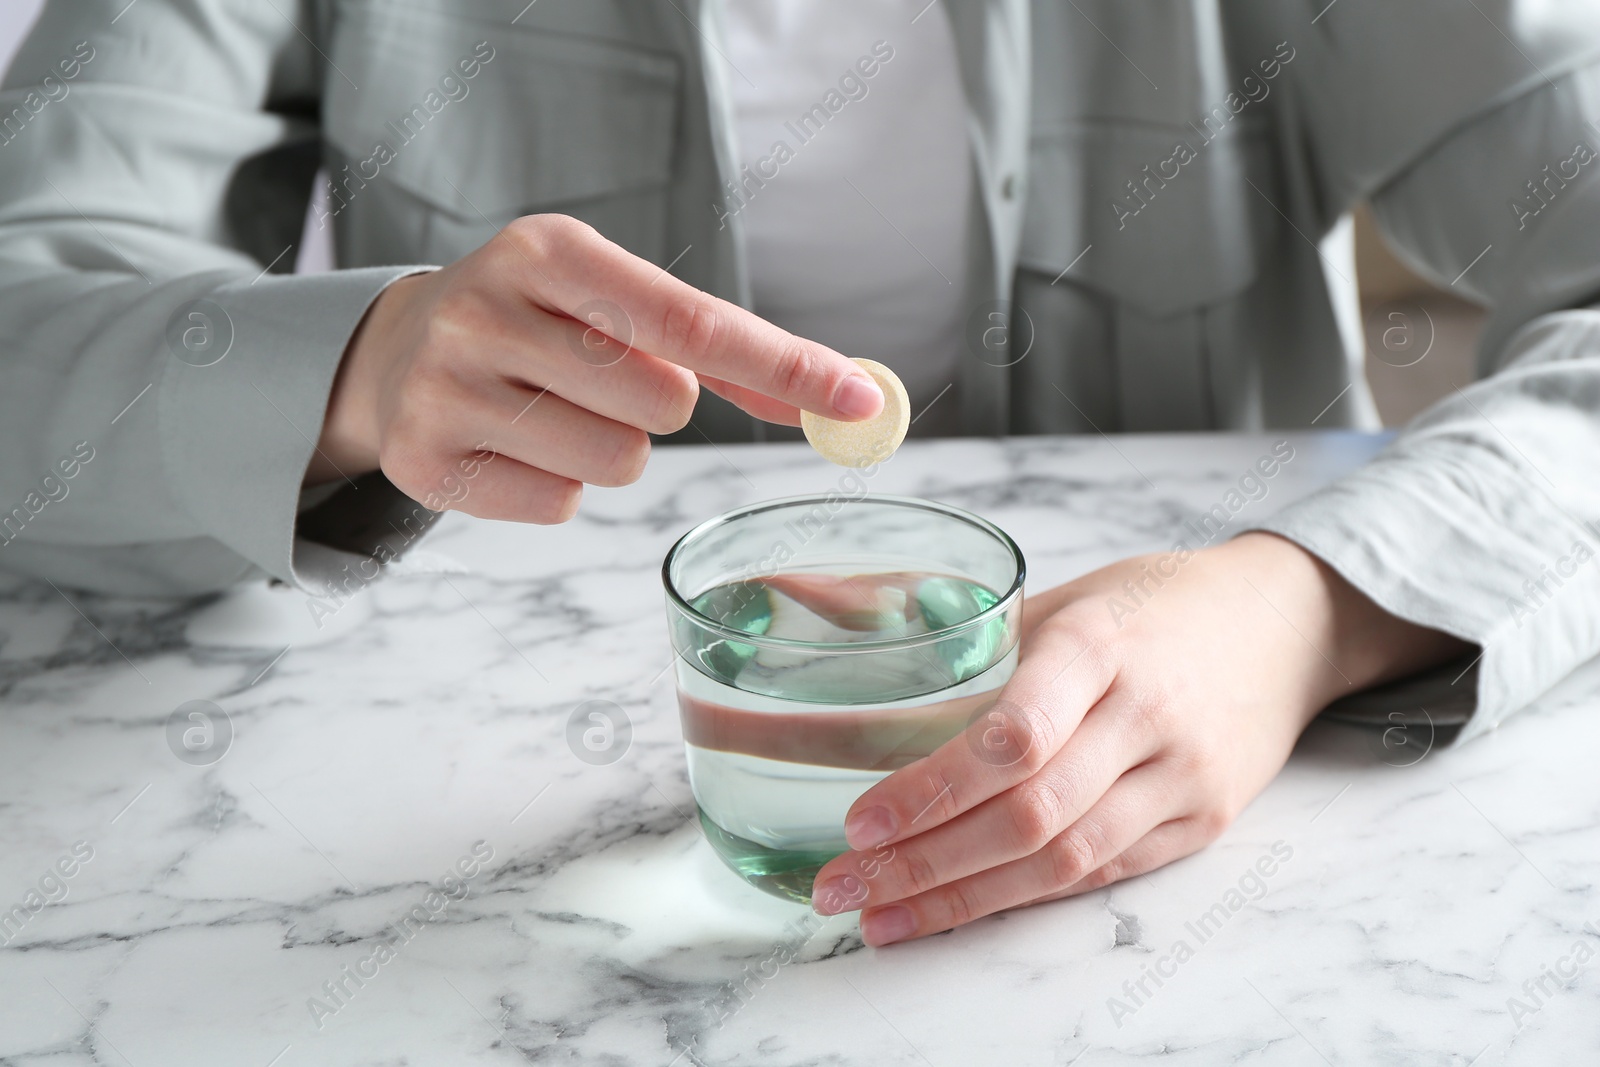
[823,642]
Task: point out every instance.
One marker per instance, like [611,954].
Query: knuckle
[1070,784]
[961,903]
[944,804]
[571,229]
[916,872]
[529,235]
[1084,624]
[548,233]
[1037,728]
[1072,856]
[1197,758]
[1113,870]
[1202,759]
[691,326]
[573,239]
[1211,822]
[1036,816]
[1146,711]
[799,369]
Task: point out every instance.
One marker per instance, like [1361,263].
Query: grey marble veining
[422,733]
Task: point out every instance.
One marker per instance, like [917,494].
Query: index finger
[674,321]
[1004,745]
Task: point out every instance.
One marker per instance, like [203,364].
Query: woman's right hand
[560,352]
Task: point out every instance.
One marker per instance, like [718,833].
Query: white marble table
[431,713]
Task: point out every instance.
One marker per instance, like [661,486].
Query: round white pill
[861,444]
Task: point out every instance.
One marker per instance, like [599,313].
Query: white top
[856,203]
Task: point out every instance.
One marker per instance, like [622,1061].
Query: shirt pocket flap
[1185,234]
[547,118]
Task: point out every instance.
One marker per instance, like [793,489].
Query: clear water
[781,743]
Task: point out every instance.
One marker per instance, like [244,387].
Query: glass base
[786,873]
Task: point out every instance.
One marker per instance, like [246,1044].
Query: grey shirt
[1164,189]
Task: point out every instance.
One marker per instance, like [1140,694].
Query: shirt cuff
[238,432]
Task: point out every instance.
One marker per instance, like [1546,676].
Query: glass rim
[1000,607]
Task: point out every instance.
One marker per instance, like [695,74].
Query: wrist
[348,442]
[1357,643]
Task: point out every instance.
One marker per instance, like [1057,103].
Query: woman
[1097,216]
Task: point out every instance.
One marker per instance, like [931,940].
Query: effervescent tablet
[861,444]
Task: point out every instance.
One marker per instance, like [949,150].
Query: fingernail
[890,924]
[870,828]
[830,897]
[858,397]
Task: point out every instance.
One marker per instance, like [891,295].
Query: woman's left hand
[1154,699]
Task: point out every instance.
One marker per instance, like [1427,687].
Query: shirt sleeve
[162,381]
[1482,519]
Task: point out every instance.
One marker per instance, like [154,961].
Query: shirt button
[1008,187]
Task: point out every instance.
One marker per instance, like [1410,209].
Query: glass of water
[823,642]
